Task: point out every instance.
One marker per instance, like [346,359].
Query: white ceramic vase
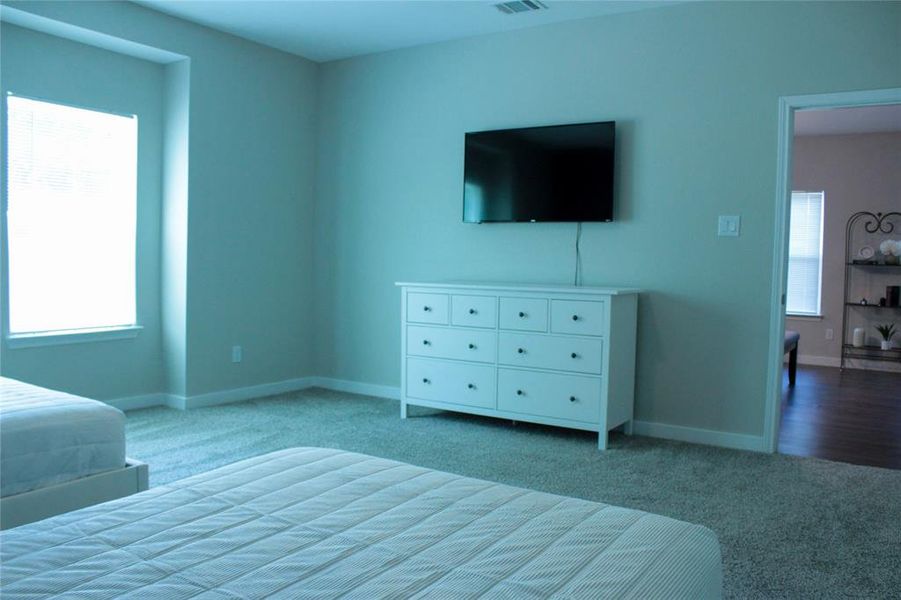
[886,344]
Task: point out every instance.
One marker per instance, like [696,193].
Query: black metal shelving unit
[868,228]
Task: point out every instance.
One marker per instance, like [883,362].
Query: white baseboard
[850,363]
[819,361]
[244,393]
[356,387]
[136,402]
[212,398]
[695,435]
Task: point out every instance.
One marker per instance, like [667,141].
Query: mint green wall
[250,182]
[174,226]
[47,67]
[694,89]
[693,86]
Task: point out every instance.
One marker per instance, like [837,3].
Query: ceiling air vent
[520,6]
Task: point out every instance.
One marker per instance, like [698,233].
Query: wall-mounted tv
[557,173]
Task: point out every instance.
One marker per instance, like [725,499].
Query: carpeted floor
[790,527]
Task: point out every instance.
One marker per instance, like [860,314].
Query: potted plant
[887,331]
[891,249]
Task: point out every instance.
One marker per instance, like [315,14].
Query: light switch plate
[729,226]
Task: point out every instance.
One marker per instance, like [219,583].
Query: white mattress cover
[48,437]
[320,523]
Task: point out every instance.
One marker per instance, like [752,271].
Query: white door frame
[787,107]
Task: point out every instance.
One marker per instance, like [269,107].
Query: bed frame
[51,500]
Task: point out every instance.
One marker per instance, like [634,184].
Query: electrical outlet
[830,334]
[237,354]
[729,226]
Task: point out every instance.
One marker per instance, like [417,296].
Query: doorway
[827,406]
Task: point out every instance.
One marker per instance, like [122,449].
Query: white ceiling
[837,121]
[324,30]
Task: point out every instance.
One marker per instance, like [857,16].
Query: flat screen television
[558,173]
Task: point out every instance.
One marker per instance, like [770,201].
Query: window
[71,218]
[805,254]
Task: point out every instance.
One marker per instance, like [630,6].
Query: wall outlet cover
[729,226]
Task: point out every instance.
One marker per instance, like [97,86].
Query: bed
[322,523]
[59,452]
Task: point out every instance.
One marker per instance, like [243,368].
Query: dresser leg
[403,410]
[602,440]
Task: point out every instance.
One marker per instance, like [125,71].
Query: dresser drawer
[474,311]
[523,314]
[572,397]
[456,383]
[459,344]
[578,316]
[427,308]
[551,352]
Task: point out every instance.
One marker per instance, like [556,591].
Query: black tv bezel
[612,182]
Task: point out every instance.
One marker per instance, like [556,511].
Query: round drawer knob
[426,380]
[521,350]
[427,308]
[575,317]
[522,315]
[574,355]
[472,346]
[519,392]
[471,386]
[426,343]
[572,398]
[472,311]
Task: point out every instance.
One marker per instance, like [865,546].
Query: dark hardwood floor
[849,416]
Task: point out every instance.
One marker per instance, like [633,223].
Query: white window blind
[805,254]
[71,217]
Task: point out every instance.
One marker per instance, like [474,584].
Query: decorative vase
[886,344]
[859,337]
[892,260]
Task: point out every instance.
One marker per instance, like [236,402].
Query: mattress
[320,523]
[49,437]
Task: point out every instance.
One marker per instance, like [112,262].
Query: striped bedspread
[49,437]
[321,523]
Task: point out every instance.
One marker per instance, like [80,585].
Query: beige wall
[856,172]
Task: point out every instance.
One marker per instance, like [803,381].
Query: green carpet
[790,527]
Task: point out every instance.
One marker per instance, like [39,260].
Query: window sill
[73,336]
[804,317]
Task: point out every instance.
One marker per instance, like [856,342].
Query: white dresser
[558,355]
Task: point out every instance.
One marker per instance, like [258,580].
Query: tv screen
[555,173]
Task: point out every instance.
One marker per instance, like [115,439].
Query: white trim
[244,393]
[819,361]
[872,365]
[357,387]
[72,336]
[787,107]
[851,363]
[695,435]
[136,402]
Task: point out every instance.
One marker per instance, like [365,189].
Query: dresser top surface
[520,287]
